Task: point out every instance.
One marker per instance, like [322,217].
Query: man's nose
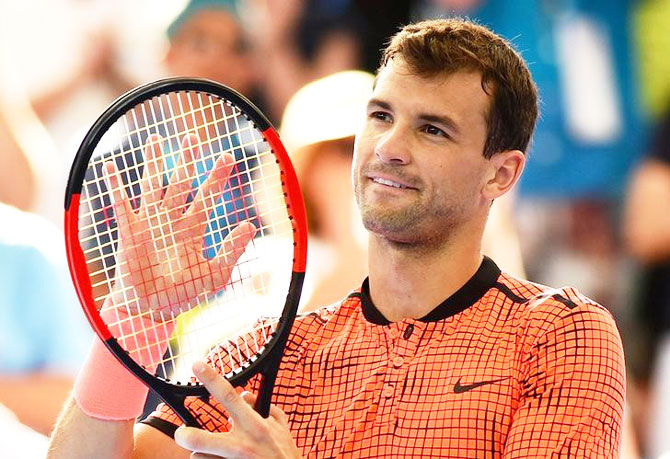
[393,146]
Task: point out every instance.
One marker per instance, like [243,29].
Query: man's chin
[392,226]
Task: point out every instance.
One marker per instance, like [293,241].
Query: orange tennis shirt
[502,368]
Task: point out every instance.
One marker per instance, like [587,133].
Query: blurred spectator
[16,174]
[318,129]
[38,117]
[298,41]
[97,65]
[207,41]
[647,231]
[44,334]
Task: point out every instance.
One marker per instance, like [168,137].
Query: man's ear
[504,171]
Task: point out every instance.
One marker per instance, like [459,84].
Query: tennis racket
[186,238]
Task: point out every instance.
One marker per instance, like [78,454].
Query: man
[500,367]
[40,348]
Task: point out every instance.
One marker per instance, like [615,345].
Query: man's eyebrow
[379,103]
[444,120]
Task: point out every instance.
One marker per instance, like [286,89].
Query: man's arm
[572,384]
[78,435]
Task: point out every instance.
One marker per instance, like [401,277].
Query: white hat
[329,108]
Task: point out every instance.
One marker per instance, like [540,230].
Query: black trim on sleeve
[566,301]
[164,426]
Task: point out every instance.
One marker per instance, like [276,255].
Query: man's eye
[382,116]
[432,130]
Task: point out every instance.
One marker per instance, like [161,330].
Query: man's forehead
[398,66]
[444,89]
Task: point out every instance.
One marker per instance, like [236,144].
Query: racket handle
[263,400]
[262,405]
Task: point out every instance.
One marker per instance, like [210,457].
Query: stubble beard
[419,225]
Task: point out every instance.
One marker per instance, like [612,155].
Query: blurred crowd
[592,210]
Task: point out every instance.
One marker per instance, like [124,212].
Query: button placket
[400,352]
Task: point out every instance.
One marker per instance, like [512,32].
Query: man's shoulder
[536,301]
[547,308]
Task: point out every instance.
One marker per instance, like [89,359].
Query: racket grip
[104,388]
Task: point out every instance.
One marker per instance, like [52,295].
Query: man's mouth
[391,183]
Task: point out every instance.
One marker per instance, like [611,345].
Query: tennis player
[438,353]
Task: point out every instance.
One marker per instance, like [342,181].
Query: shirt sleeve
[573,382]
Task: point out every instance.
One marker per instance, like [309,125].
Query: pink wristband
[104,388]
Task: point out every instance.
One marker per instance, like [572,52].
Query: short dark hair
[438,46]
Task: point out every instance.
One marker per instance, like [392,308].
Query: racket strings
[169,123]
[98,183]
[205,318]
[159,214]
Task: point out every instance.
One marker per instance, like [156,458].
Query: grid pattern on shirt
[526,371]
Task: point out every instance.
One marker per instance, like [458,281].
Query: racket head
[261,189]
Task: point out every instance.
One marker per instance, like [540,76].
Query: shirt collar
[471,292]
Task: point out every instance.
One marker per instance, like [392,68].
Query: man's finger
[235,243]
[204,442]
[233,247]
[248,397]
[122,207]
[212,187]
[152,174]
[179,187]
[243,415]
[275,411]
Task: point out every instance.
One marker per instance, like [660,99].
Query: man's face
[418,167]
[207,45]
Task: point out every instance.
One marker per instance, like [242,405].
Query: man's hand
[251,434]
[160,263]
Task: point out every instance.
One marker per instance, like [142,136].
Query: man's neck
[407,283]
